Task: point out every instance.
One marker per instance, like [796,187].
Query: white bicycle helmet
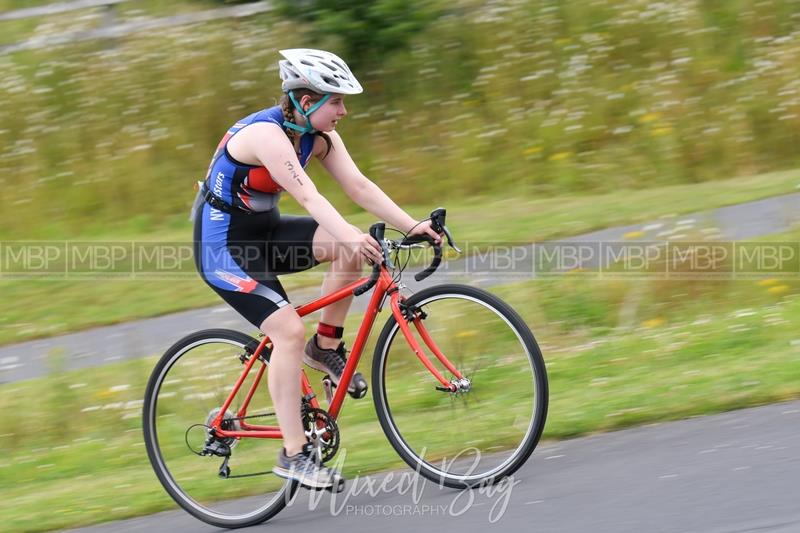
[320,71]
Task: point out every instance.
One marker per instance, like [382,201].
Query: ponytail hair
[288,114]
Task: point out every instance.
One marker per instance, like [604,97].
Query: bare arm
[270,146]
[361,189]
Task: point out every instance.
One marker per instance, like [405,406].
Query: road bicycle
[468,416]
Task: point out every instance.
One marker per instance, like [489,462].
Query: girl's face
[328,115]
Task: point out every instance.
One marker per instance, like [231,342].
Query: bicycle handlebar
[437,254]
[377,231]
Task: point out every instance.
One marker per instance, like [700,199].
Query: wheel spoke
[470,435]
[187,388]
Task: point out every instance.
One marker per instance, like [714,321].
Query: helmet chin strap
[306,114]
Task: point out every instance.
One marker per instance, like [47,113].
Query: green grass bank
[60,304]
[618,353]
[527,99]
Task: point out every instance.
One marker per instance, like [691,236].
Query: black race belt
[218,203]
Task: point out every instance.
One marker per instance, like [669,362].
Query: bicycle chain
[251,416]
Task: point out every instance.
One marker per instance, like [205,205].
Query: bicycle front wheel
[186,391]
[486,431]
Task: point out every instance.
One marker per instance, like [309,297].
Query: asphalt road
[731,473]
[152,336]
[111,29]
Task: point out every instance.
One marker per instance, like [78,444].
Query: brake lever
[437,224]
[450,240]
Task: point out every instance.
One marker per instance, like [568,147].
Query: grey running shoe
[303,469]
[332,363]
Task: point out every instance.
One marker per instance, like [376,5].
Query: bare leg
[285,329]
[345,268]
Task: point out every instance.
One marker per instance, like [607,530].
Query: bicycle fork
[405,314]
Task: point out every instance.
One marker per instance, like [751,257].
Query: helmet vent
[330,67]
[320,71]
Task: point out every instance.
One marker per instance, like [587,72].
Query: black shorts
[240,256]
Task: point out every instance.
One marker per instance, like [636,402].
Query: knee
[286,334]
[350,262]
[348,258]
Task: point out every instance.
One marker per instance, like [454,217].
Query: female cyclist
[242,242]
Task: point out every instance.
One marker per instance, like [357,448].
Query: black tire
[178,491]
[423,408]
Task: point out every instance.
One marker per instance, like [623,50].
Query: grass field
[62,305]
[618,353]
[528,99]
[528,120]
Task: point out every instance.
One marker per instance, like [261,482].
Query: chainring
[322,431]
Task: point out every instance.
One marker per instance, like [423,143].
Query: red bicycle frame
[384,286]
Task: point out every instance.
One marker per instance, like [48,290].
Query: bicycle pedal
[359,386]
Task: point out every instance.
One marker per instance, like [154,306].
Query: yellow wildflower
[533,150]
[560,156]
[653,323]
[778,290]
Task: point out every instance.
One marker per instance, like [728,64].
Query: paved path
[731,473]
[151,336]
[112,31]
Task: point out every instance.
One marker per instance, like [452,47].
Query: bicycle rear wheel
[487,431]
[185,392]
